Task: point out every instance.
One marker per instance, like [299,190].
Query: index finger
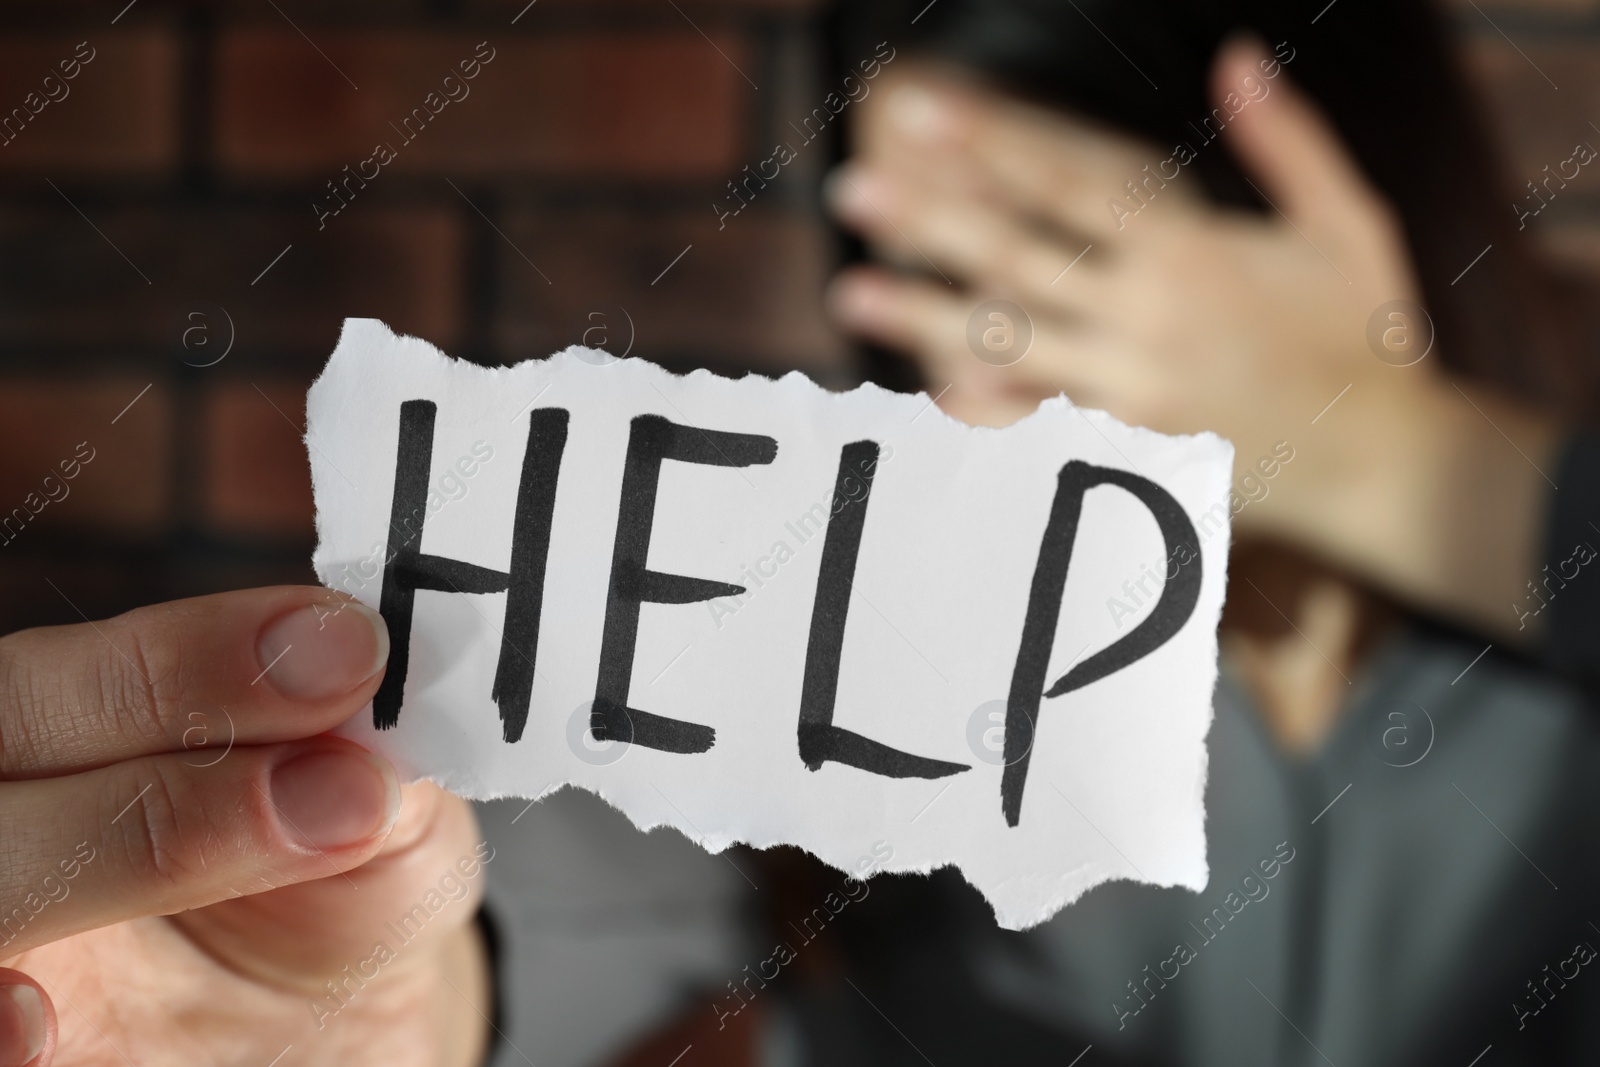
[254,666]
[1050,164]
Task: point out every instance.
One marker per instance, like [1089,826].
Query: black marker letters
[406,568]
[652,440]
[820,740]
[1178,598]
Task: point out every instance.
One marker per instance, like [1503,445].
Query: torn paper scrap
[759,611]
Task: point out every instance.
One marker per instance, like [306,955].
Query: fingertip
[855,193]
[1244,56]
[334,794]
[1280,134]
[1240,53]
[854,298]
[421,806]
[321,651]
[27,1022]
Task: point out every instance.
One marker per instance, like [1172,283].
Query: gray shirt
[1416,890]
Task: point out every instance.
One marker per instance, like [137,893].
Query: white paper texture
[950,538]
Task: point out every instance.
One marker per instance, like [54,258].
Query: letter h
[407,568]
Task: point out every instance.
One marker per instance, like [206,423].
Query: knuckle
[139,679]
[21,691]
[66,692]
[164,842]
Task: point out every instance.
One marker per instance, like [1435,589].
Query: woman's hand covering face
[1160,308]
[1169,311]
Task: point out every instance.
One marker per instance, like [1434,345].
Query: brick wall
[159,212]
[1538,65]
[163,204]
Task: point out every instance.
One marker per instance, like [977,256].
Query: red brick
[1564,10]
[257,479]
[404,265]
[696,8]
[658,105]
[748,295]
[82,582]
[1575,245]
[105,583]
[124,489]
[308,14]
[120,114]
[1537,123]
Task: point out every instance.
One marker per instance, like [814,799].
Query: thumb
[27,1021]
[339,932]
[1284,141]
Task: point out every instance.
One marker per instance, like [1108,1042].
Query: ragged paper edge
[1070,886]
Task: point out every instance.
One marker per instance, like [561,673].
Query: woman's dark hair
[1383,71]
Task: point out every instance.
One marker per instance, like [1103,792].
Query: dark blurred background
[164,207]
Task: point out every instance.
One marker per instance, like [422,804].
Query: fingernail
[920,114]
[322,651]
[22,1030]
[855,192]
[331,797]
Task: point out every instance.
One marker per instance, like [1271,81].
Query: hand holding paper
[758,611]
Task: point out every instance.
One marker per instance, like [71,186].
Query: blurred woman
[1330,278]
